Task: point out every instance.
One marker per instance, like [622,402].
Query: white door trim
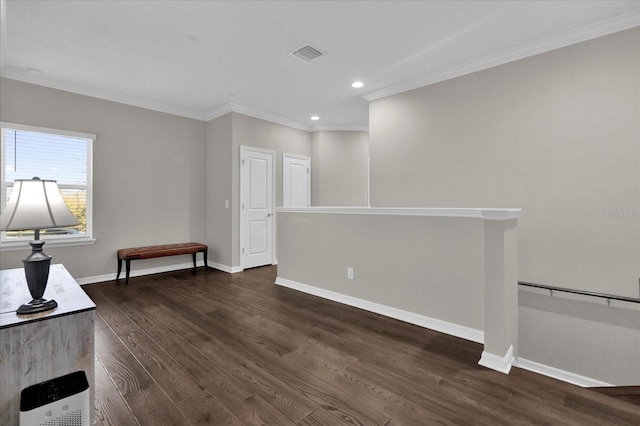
[286,178]
[243,150]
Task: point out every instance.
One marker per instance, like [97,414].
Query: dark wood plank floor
[206,347]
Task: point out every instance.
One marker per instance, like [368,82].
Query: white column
[500,291]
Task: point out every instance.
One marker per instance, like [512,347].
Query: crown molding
[244,110]
[141,103]
[588,32]
[100,94]
[241,109]
[167,109]
[620,23]
[329,128]
[218,112]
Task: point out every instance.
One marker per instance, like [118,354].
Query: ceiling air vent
[307,53]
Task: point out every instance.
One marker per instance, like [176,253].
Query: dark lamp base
[36,306]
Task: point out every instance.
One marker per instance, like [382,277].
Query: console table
[45,345]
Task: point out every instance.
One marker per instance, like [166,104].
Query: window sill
[58,242]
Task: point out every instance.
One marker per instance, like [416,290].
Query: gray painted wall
[340,168]
[158,178]
[581,335]
[410,263]
[256,133]
[557,135]
[148,174]
[219,175]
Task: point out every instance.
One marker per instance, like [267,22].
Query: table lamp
[36,204]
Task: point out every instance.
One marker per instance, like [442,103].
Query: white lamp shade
[36,204]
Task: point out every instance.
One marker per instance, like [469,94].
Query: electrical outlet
[349,273]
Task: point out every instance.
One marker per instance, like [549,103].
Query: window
[63,156]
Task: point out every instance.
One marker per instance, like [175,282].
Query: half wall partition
[451,270]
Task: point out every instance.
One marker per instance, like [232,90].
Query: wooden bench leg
[119,268]
[128,267]
[204,253]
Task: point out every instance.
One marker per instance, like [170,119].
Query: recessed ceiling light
[191,40]
[315,118]
[357,84]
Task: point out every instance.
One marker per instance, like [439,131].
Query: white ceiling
[138,52]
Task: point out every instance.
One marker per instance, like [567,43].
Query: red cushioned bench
[149,252]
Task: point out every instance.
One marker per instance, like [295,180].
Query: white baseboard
[489,360]
[402,315]
[496,362]
[156,270]
[225,268]
[96,279]
[556,373]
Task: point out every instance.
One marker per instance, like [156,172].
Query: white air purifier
[63,401]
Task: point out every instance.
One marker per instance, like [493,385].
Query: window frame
[52,240]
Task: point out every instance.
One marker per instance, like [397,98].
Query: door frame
[285,176]
[243,150]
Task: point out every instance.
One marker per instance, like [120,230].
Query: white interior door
[256,208]
[296,181]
